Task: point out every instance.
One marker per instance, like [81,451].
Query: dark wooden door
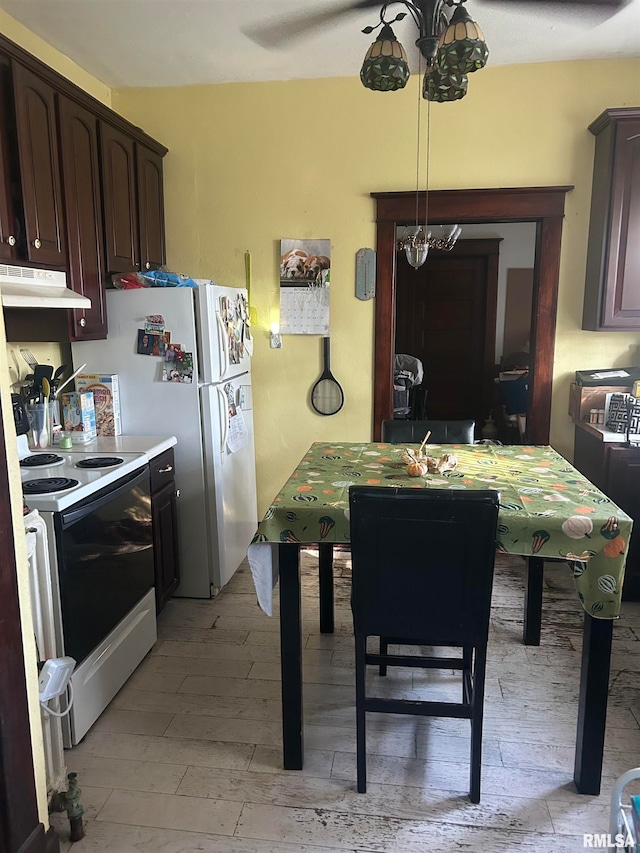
[39,168]
[446,317]
[20,828]
[117,154]
[150,208]
[83,207]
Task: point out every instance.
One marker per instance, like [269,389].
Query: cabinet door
[623,479]
[165,543]
[612,286]
[150,208]
[117,154]
[8,222]
[39,168]
[83,207]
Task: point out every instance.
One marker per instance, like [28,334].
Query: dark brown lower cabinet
[164,514]
[615,469]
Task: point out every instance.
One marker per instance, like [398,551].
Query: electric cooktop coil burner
[40,459]
[99,462]
[46,485]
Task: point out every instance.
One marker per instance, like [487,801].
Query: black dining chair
[442,432]
[422,574]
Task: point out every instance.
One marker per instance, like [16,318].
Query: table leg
[325,574]
[291,656]
[533,601]
[592,704]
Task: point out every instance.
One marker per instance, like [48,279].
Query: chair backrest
[442,432]
[422,563]
[514,394]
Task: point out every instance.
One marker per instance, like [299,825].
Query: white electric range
[96,507]
[55,479]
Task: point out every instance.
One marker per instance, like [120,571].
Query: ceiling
[183,42]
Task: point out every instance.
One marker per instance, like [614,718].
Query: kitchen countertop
[604,434]
[151,446]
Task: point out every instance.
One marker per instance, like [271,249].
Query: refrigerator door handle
[225,346]
[224,422]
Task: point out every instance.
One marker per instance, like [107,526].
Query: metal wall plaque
[365,274]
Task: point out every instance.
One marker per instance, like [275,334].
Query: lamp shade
[462,45]
[385,67]
[415,246]
[444,85]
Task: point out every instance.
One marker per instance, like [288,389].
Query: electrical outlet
[276,340]
[54,677]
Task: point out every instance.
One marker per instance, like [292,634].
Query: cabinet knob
[11,240]
[147,266]
[177,493]
[165,470]
[37,243]
[83,322]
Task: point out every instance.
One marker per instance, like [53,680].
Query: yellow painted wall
[249,164]
[37,46]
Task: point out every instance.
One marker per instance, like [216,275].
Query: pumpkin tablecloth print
[547,508]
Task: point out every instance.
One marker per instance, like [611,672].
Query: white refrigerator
[211,416]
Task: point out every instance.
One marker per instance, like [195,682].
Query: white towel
[263,560]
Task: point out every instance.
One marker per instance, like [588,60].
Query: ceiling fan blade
[611,4]
[277,33]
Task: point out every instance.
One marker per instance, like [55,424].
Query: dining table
[548,511]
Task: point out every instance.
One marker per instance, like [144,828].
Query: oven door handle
[104,496]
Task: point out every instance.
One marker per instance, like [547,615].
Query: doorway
[543,206]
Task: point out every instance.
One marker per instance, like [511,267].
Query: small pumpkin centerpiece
[416,463]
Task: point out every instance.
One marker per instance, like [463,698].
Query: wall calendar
[305,275]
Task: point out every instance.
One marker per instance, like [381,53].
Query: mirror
[465,314]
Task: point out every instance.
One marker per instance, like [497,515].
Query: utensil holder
[40,423]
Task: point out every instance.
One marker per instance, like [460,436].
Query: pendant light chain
[426,168]
[418,141]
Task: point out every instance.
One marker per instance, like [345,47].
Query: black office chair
[442,432]
[422,574]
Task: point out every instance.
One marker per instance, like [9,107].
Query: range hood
[24,287]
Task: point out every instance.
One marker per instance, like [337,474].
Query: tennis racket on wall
[327,397]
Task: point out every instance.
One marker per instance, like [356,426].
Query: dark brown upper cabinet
[150,208]
[120,202]
[39,168]
[612,286]
[10,229]
[133,203]
[80,190]
[83,209]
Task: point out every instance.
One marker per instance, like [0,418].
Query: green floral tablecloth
[547,508]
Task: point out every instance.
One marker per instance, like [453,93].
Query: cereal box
[79,416]
[106,398]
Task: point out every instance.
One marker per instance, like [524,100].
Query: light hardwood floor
[188,755]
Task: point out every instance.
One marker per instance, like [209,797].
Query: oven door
[105,560]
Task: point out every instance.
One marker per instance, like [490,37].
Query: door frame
[542,205]
[20,827]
